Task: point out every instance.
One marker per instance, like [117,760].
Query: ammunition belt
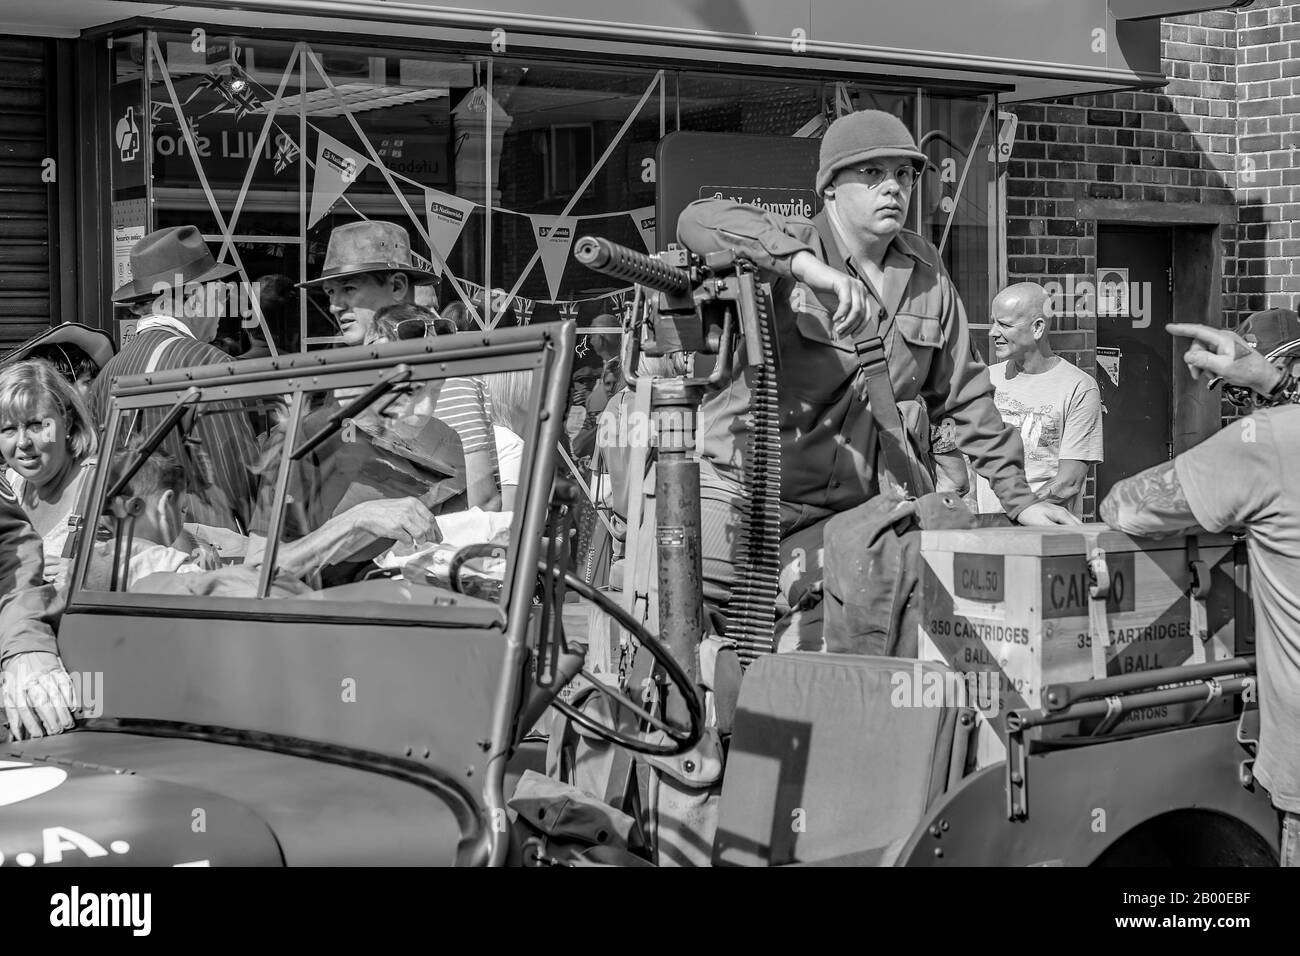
[751,610]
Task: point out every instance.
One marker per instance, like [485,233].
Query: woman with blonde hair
[48,443]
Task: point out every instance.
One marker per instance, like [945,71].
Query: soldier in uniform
[37,692]
[849,274]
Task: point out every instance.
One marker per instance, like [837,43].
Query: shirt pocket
[923,335]
[814,366]
[923,331]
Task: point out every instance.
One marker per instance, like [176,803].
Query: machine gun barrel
[611,259]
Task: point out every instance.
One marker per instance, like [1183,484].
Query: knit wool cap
[864,135]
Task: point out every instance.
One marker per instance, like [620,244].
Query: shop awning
[1030,49]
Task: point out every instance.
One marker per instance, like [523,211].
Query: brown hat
[864,135]
[171,258]
[372,247]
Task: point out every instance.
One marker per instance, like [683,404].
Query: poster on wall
[128,222]
[1108,361]
[126,135]
[127,128]
[1112,293]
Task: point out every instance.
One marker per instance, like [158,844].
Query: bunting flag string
[245,102]
[337,166]
[568,307]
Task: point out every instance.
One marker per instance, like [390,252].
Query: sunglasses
[410,329]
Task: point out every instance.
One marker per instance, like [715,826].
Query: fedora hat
[372,247]
[166,254]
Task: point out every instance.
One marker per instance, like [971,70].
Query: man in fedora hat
[852,273]
[171,294]
[369,267]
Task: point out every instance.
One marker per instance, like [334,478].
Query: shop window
[574,144]
[349,134]
[493,166]
[714,103]
[956,199]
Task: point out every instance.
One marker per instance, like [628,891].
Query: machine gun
[710,305]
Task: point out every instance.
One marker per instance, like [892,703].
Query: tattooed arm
[1150,504]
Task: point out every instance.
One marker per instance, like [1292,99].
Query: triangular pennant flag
[644,220]
[337,168]
[286,152]
[447,217]
[554,236]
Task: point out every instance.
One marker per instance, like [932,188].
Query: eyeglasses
[873,174]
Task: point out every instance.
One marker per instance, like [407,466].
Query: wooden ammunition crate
[1014,602]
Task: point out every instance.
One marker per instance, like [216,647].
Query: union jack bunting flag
[244,101]
[286,154]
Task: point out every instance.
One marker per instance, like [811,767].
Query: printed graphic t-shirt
[1058,413]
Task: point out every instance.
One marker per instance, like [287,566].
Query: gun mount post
[712,305]
[673,404]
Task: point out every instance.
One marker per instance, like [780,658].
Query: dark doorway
[1138,419]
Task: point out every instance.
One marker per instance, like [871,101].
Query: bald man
[1056,406]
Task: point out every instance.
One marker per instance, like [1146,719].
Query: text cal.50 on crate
[1025,604]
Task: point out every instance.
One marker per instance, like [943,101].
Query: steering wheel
[683,738]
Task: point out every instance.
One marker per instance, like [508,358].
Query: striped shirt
[226,448]
[463,404]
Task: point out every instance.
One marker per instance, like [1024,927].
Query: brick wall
[1225,130]
[1268,176]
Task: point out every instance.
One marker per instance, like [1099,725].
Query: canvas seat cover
[823,764]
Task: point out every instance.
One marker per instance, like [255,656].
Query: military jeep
[390,703]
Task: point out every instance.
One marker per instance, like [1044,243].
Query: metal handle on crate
[1198,590]
[1098,593]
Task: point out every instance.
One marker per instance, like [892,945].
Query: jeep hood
[90,798]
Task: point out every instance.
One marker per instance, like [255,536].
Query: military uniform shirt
[828,437]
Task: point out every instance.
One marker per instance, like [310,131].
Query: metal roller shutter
[26,224]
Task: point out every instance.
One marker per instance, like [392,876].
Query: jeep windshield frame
[538,350]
